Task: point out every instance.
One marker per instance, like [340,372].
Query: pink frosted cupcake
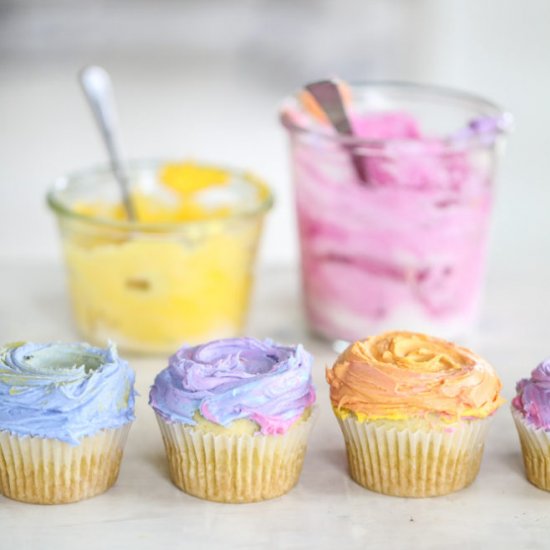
[531,412]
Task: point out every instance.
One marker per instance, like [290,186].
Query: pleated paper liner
[388,457]
[49,471]
[235,468]
[535,447]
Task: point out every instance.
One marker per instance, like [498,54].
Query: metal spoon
[327,95]
[98,89]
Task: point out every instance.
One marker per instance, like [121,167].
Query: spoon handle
[98,89]
[328,96]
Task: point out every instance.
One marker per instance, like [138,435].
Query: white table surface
[326,509]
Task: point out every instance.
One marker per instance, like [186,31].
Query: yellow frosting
[152,292]
[181,201]
[399,375]
[188,178]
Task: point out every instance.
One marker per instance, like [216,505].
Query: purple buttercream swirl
[485,128]
[226,380]
[533,397]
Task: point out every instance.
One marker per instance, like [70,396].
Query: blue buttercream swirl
[236,378]
[64,391]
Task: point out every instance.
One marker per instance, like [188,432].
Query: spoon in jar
[329,98]
[98,89]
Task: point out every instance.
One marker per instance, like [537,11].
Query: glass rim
[368,145]
[265,203]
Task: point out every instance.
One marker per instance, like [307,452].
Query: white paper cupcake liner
[231,467]
[535,448]
[50,471]
[388,457]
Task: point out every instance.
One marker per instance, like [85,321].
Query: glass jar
[394,220]
[151,287]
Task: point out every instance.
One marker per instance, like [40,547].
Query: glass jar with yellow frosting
[180,273]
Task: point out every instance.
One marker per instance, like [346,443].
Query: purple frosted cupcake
[235,416]
[531,412]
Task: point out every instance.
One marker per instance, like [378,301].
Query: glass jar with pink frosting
[394,219]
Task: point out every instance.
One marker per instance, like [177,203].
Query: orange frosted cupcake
[414,412]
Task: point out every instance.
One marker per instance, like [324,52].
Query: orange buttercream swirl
[398,375]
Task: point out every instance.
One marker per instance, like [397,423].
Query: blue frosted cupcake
[65,412]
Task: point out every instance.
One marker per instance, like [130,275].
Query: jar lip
[367,145]
[61,183]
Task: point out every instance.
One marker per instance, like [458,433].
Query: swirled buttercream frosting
[63,391]
[533,397]
[233,379]
[399,375]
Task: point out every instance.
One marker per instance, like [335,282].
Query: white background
[204,79]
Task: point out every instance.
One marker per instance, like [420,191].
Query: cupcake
[65,412]
[235,416]
[531,412]
[414,412]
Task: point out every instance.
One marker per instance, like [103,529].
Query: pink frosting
[412,240]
